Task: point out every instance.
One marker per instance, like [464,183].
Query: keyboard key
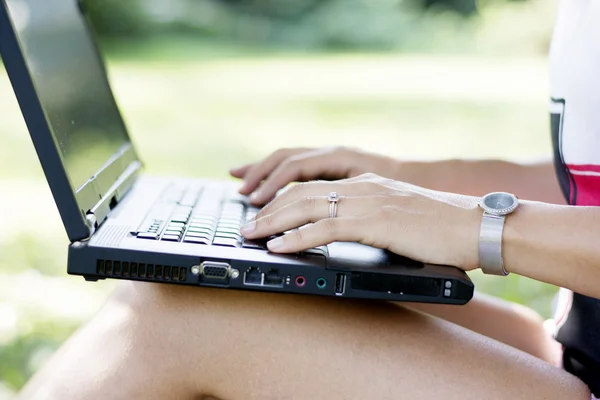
[236,198]
[317,251]
[205,220]
[183,210]
[231,213]
[227,225]
[190,198]
[205,231]
[233,206]
[228,230]
[147,235]
[227,242]
[171,238]
[235,236]
[250,244]
[233,221]
[206,235]
[173,232]
[196,240]
[201,228]
[180,218]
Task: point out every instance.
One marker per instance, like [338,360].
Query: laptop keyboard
[203,216]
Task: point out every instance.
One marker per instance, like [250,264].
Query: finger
[261,170]
[302,167]
[298,191]
[344,187]
[240,172]
[307,210]
[326,231]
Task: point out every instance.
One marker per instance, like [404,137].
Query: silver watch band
[490,245]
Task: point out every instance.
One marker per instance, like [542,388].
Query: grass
[198,116]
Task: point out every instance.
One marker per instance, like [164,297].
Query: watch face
[499,203]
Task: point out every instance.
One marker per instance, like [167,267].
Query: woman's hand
[300,164]
[426,225]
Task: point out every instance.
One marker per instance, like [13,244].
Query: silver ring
[333,198]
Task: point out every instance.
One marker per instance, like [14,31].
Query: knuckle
[331,226]
[373,187]
[308,204]
[268,220]
[370,176]
[347,150]
[280,152]
[298,236]
[292,163]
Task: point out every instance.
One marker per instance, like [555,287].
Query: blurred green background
[205,85]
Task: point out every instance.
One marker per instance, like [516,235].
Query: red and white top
[575,105]
[575,122]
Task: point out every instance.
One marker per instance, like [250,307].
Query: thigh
[159,342]
[509,323]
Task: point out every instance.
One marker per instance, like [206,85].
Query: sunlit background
[209,84]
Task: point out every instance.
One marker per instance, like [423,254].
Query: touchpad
[355,253]
[347,254]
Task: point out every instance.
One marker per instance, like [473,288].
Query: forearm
[555,244]
[527,181]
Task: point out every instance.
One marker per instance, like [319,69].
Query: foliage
[314,24]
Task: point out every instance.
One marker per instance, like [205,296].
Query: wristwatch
[496,206]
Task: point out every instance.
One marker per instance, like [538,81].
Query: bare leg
[509,323]
[159,342]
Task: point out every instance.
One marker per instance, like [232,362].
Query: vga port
[216,270]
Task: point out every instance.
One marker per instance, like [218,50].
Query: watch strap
[490,244]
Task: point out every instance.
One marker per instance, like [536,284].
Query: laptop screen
[70,83]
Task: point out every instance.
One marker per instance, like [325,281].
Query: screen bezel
[73,204]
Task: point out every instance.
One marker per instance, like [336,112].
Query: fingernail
[275,244]
[254,196]
[242,187]
[249,227]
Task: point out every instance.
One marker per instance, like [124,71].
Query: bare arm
[555,244]
[536,181]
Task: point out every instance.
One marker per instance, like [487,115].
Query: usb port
[340,284]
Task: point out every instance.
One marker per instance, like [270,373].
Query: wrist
[497,208]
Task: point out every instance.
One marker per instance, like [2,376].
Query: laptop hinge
[113,196]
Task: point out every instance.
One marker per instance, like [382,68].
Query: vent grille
[110,236]
[155,272]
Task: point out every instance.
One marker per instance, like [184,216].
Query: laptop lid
[62,88]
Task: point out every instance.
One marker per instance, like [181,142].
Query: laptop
[123,224]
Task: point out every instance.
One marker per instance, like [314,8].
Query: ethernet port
[253,277]
[273,278]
